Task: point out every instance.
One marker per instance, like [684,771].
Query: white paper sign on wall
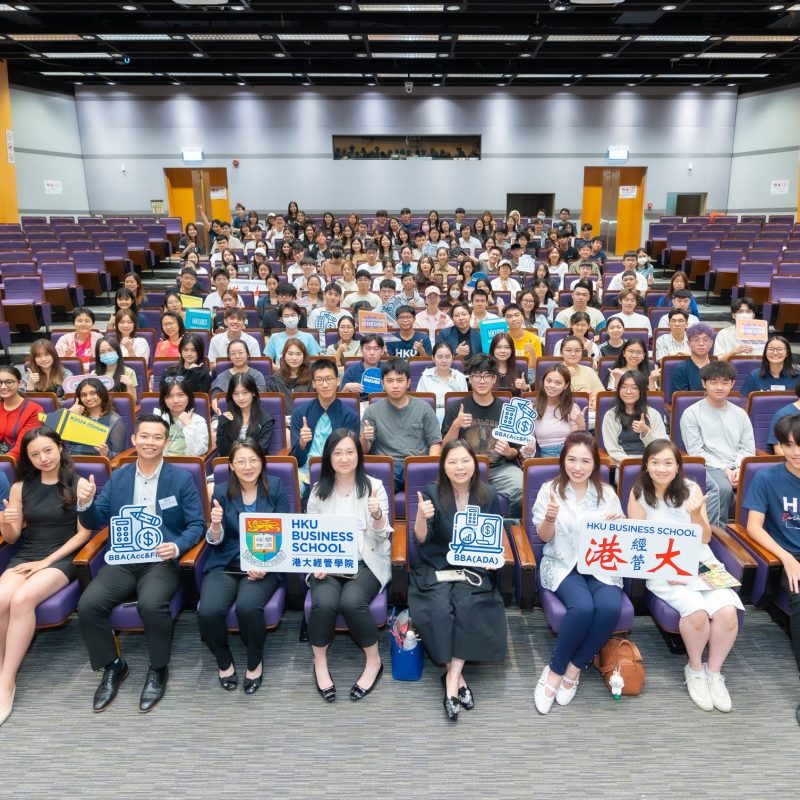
[628,192]
[779,187]
[53,187]
[10,157]
[219,193]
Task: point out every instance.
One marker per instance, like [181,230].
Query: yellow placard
[76,428]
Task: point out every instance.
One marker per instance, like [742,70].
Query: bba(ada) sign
[634,548]
[298,543]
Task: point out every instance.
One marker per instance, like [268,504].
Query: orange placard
[372,322]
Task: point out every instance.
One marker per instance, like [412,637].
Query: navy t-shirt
[403,348]
[775,492]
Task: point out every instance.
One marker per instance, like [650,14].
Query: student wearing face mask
[290,317]
[726,345]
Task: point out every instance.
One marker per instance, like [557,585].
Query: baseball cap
[432,290]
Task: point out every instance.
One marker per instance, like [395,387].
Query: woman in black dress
[43,505]
[458,621]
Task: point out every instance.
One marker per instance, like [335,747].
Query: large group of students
[577,324]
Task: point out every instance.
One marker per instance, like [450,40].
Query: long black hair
[622,363]
[118,369]
[574,439]
[167,384]
[477,489]
[25,471]
[327,479]
[247,382]
[677,493]
[789,366]
[640,406]
[234,487]
[105,398]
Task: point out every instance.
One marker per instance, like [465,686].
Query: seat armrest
[527,559]
[87,555]
[734,556]
[117,460]
[740,532]
[399,562]
[189,558]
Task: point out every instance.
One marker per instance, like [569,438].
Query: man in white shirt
[309,268]
[628,300]
[480,302]
[372,264]
[275,233]
[295,270]
[582,292]
[432,318]
[629,279]
[505,283]
[468,241]
[408,292]
[232,242]
[328,316]
[220,280]
[419,243]
[675,343]
[235,320]
[363,294]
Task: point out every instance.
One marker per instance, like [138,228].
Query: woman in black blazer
[244,414]
[248,489]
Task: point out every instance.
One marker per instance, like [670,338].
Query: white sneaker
[541,699]
[718,691]
[566,694]
[697,685]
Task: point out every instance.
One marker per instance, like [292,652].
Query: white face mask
[744,315]
[642,260]
[291,322]
[455,294]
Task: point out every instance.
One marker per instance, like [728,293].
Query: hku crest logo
[477,539]
[133,536]
[517,421]
[264,536]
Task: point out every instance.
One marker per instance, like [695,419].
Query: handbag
[621,666]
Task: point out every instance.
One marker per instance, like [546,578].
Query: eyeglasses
[245,463]
[9,382]
[170,379]
[771,351]
[326,380]
[481,377]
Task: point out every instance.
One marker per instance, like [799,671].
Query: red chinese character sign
[632,548]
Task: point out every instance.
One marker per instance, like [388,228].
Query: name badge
[167,502]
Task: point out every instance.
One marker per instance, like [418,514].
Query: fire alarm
[235,162]
[649,206]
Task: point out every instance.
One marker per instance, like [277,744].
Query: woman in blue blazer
[248,489]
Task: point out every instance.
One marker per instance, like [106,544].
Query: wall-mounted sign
[10,157]
[192,153]
[779,187]
[53,187]
[219,192]
[628,192]
[618,152]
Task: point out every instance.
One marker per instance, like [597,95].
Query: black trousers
[794,617]
[350,597]
[219,591]
[152,585]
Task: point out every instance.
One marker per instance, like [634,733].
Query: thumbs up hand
[216,516]
[11,515]
[552,507]
[463,420]
[375,510]
[306,434]
[425,507]
[640,426]
[86,490]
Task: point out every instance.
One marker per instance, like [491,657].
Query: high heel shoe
[6,713]
[229,682]
[251,685]
[329,693]
[359,693]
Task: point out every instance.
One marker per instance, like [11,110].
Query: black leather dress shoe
[251,685]
[358,693]
[229,682]
[154,687]
[109,686]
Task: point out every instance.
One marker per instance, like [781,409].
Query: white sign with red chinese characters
[634,548]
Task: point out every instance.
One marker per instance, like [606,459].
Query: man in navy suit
[463,340]
[170,493]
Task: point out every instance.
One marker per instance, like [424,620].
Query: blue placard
[477,539]
[517,421]
[489,328]
[198,319]
[133,536]
[371,380]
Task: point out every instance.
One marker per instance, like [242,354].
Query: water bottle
[409,641]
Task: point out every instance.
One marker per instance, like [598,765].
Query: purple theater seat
[273,611]
[58,607]
[761,408]
[125,616]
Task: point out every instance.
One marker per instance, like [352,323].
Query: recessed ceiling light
[44,37]
[547,76]
[631,84]
[436,84]
[673,76]
[404,55]
[63,74]
[306,83]
[280,55]
[371,83]
[129,8]
[198,55]
[501,84]
[361,55]
[695,84]
[731,84]
[739,55]
[225,37]
[23,8]
[776,8]
[237,8]
[35,55]
[134,37]
[559,7]
[111,83]
[453,8]
[403,37]
[344,7]
[524,55]
[356,37]
[668,8]
[689,55]
[760,38]
[476,75]
[313,37]
[600,37]
[77,55]
[608,55]
[404,7]
[566,84]
[444,55]
[79,83]
[490,37]
[670,38]
[747,75]
[241,83]
[536,38]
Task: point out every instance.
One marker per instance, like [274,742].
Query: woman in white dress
[708,616]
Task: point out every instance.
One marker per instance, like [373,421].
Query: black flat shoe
[359,693]
[451,706]
[466,698]
[155,686]
[229,682]
[109,686]
[251,685]
[328,694]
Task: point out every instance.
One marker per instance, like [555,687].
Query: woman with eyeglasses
[582,377]
[347,346]
[778,371]
[631,424]
[458,620]
[18,414]
[92,400]
[248,490]
[188,432]
[172,330]
[243,418]
[191,366]
[633,355]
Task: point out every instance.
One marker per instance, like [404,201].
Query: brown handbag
[621,656]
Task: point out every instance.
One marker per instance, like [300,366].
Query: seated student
[788,410]
[480,303]
[347,283]
[473,420]
[309,267]
[92,400]
[458,621]
[408,342]
[726,345]
[580,326]
[598,254]
[538,306]
[345,489]
[628,301]
[615,330]
[399,425]
[463,340]
[441,378]
[772,520]
[675,343]
[584,259]
[557,268]
[432,318]
[124,327]
[686,376]
[220,280]
[248,489]
[681,298]
[526,344]
[188,432]
[679,280]
[108,360]
[372,347]
[169,492]
[43,370]
[707,616]
[244,417]
[629,279]
[593,604]
[42,504]
[133,283]
[509,379]
[191,241]
[558,414]
[313,420]
[80,343]
[722,434]
[230,299]
[582,378]
[633,356]
[172,332]
[631,424]
[408,292]
[582,296]
[292,375]
[778,371]
[191,365]
[362,293]
[187,283]
[235,321]
[630,262]
[239,358]
[270,316]
[328,314]
[347,345]
[124,300]
[441,266]
[504,282]
[389,304]
[290,317]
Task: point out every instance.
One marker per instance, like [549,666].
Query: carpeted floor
[284,742]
